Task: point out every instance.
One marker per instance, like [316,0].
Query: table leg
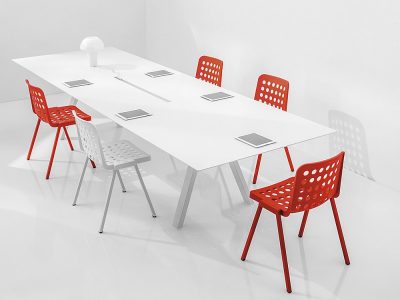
[184,198]
[240,181]
[73,101]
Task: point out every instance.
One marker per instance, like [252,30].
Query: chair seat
[62,115]
[123,154]
[277,197]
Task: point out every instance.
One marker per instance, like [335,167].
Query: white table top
[197,132]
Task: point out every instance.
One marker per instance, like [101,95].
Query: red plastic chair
[210,69]
[313,185]
[59,117]
[273,91]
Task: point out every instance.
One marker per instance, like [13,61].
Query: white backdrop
[39,27]
[341,57]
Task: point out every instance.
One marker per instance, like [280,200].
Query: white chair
[112,156]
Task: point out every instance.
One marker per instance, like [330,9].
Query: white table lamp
[92,45]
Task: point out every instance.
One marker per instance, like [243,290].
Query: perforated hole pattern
[89,139]
[38,101]
[210,69]
[350,137]
[123,152]
[55,116]
[316,183]
[280,193]
[272,91]
[62,116]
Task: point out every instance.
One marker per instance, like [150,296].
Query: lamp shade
[92,45]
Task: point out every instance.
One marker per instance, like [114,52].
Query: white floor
[51,250]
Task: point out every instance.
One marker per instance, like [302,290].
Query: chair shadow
[137,238]
[306,277]
[55,161]
[350,137]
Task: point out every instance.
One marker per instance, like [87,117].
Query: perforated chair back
[273,91]
[209,69]
[89,140]
[316,183]
[39,103]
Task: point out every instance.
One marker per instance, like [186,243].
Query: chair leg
[107,203]
[255,176]
[303,223]
[93,164]
[33,139]
[340,232]
[283,252]
[68,138]
[289,159]
[53,152]
[80,181]
[121,182]
[145,191]
[251,233]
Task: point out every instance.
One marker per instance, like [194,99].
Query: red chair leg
[303,223]
[283,252]
[340,232]
[289,159]
[251,233]
[68,138]
[53,152]
[33,140]
[93,164]
[257,168]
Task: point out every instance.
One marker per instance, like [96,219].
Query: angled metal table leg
[184,198]
[240,181]
[73,101]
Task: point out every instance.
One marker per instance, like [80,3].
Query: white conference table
[195,131]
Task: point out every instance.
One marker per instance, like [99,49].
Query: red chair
[59,117]
[273,91]
[210,69]
[313,185]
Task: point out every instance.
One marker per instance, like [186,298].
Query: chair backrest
[273,91]
[210,69]
[89,140]
[316,183]
[39,103]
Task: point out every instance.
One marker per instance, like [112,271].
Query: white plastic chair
[112,156]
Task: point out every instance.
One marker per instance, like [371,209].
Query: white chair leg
[80,181]
[145,191]
[120,181]
[108,202]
